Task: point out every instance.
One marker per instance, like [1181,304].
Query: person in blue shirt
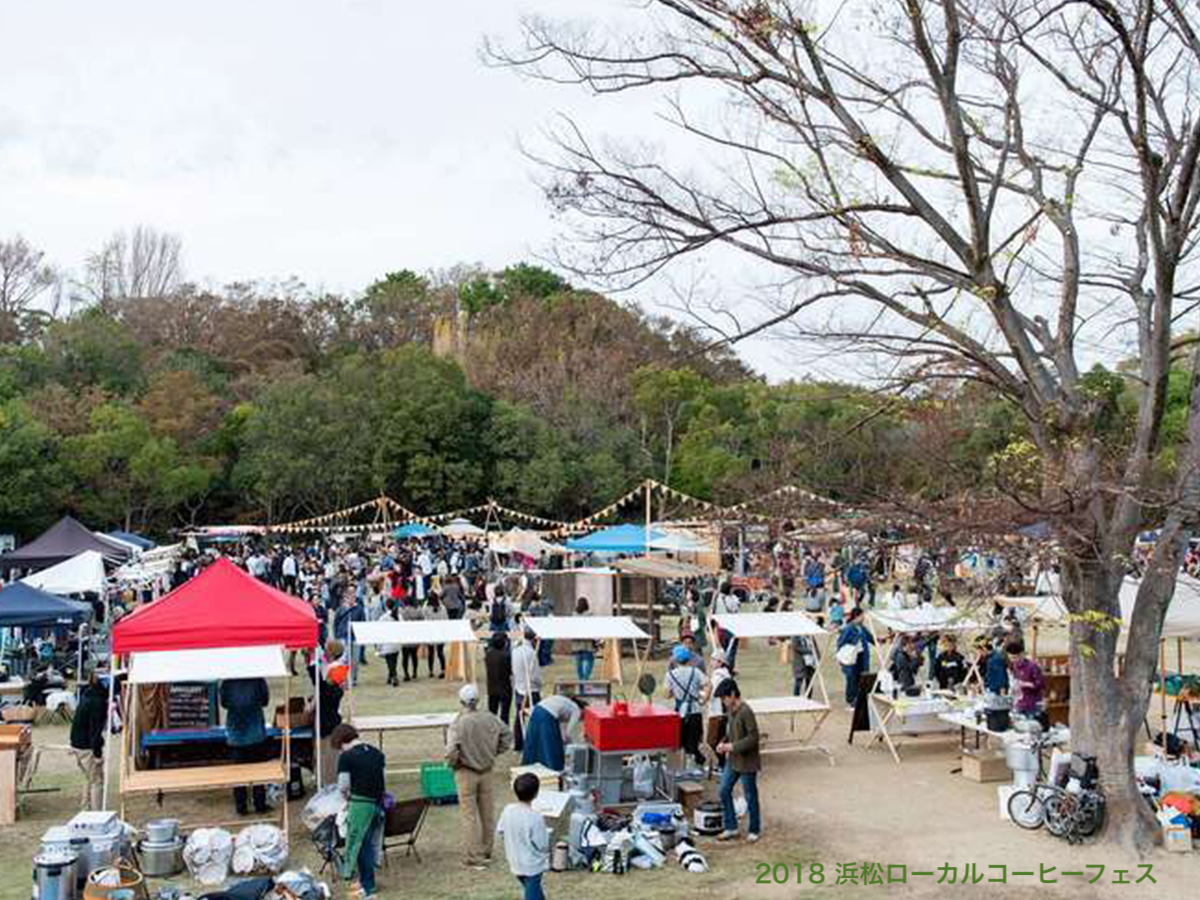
[995,673]
[246,731]
[854,633]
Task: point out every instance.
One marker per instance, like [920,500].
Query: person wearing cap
[474,740]
[715,732]
[743,764]
[686,685]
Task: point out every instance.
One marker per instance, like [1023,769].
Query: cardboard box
[985,766]
[301,716]
[1177,839]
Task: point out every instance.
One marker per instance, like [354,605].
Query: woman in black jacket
[498,661]
[87,741]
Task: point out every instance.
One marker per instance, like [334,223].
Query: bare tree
[998,191]
[24,278]
[145,264]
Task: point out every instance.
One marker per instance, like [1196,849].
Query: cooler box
[641,727]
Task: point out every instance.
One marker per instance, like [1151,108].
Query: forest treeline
[134,398]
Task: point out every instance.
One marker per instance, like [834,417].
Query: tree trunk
[1107,709]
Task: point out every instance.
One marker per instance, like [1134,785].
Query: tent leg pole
[112,680]
[317,681]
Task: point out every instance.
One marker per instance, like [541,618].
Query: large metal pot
[162,831]
[161,859]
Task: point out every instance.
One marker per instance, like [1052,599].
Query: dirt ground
[863,809]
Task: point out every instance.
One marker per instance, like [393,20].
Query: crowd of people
[440,578]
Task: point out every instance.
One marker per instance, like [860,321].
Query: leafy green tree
[94,348]
[663,398]
[31,476]
[124,474]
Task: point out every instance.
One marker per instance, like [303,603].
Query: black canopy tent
[59,543]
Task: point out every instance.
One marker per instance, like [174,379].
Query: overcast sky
[332,141]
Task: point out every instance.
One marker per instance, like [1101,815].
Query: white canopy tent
[527,543]
[923,618]
[458,633]
[582,628]
[210,664]
[786,625]
[462,528]
[776,624]
[80,574]
[161,666]
[610,629]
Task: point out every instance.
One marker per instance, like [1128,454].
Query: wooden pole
[648,498]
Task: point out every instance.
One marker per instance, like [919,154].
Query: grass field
[440,874]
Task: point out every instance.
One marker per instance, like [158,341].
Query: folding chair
[403,823]
[329,843]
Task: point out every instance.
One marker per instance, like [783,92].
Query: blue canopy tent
[22,606]
[413,530]
[136,539]
[618,539]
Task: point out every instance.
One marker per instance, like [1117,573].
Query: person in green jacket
[743,762]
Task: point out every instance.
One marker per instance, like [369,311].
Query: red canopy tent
[223,606]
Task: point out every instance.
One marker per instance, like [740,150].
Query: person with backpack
[854,653]
[686,685]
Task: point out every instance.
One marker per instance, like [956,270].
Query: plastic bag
[643,777]
[207,855]
[326,802]
[259,848]
[302,885]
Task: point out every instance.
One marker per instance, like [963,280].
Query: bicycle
[1073,810]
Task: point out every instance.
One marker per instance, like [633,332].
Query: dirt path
[919,814]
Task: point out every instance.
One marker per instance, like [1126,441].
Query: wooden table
[923,712]
[790,708]
[12,686]
[208,778]
[407,723]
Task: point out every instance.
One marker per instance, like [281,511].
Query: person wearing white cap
[715,732]
[474,740]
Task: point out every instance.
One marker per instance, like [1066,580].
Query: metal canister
[560,859]
[54,876]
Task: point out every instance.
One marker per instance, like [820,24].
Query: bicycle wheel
[1027,810]
[1060,810]
[1091,813]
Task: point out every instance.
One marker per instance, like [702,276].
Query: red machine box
[633,726]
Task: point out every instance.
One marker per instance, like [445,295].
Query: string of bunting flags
[385,505]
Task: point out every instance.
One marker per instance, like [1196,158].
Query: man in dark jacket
[743,764]
[246,731]
[87,741]
[498,662]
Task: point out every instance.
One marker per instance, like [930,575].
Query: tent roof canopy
[81,574]
[64,539]
[136,540]
[462,528]
[23,606]
[413,530]
[777,624]
[221,607]
[213,664]
[582,628]
[527,543]
[659,567]
[633,539]
[408,633]
[923,618]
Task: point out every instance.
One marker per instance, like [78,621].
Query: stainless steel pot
[162,831]
[161,859]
